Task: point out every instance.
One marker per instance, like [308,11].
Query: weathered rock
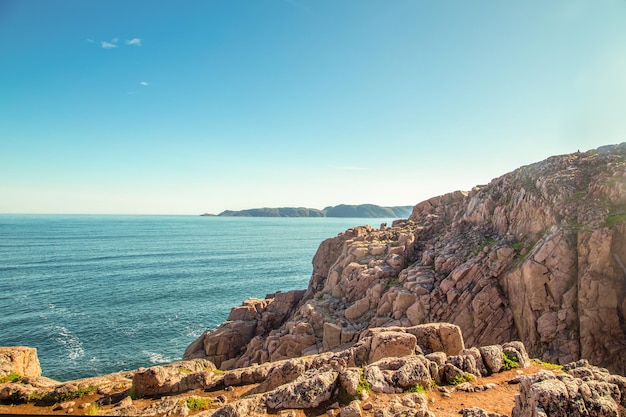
[173,378]
[414,371]
[492,357]
[352,410]
[287,371]
[391,344]
[350,380]
[247,407]
[306,392]
[21,360]
[546,394]
[479,412]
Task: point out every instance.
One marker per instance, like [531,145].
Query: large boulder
[306,392]
[173,378]
[20,360]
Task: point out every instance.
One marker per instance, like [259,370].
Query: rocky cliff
[536,255]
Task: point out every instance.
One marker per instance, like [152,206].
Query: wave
[156,358]
[70,342]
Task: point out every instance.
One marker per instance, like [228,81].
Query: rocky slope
[537,255]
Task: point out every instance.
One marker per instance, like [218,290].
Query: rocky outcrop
[583,391]
[173,378]
[20,360]
[536,255]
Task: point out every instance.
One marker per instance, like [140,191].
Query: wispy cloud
[90,40]
[108,45]
[134,41]
[144,83]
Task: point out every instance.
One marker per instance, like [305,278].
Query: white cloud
[108,45]
[144,83]
[134,41]
[90,40]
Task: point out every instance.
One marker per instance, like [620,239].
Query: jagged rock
[352,410]
[565,395]
[466,363]
[17,393]
[21,360]
[306,392]
[173,378]
[415,370]
[492,357]
[252,406]
[481,368]
[284,373]
[479,412]
[410,405]
[386,344]
[350,380]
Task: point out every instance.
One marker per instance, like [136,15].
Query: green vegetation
[10,377]
[510,361]
[218,372]
[418,388]
[614,218]
[461,379]
[62,395]
[364,385]
[198,403]
[91,410]
[132,393]
[184,370]
[546,365]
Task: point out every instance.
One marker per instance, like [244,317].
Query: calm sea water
[99,294]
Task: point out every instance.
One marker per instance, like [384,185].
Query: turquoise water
[99,294]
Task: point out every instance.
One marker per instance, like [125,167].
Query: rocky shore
[399,319]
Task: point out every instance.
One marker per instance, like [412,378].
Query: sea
[97,294]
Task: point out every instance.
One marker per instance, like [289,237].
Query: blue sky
[200,106]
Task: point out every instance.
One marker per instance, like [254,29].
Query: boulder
[492,357]
[307,392]
[173,378]
[21,360]
[386,344]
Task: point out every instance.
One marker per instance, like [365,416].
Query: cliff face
[536,255]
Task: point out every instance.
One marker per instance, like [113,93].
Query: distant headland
[342,210]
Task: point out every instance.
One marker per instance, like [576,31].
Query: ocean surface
[100,294]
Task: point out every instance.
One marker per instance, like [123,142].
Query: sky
[187,107]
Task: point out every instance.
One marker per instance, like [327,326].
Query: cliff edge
[536,255]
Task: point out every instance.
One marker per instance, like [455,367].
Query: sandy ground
[499,399]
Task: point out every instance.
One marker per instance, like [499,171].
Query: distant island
[342,210]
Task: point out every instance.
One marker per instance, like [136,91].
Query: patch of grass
[547,365]
[59,396]
[418,388]
[132,393]
[10,377]
[198,403]
[91,410]
[614,218]
[461,379]
[364,385]
[509,361]
[36,396]
[218,372]
[184,370]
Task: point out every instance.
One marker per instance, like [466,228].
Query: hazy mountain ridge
[341,210]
